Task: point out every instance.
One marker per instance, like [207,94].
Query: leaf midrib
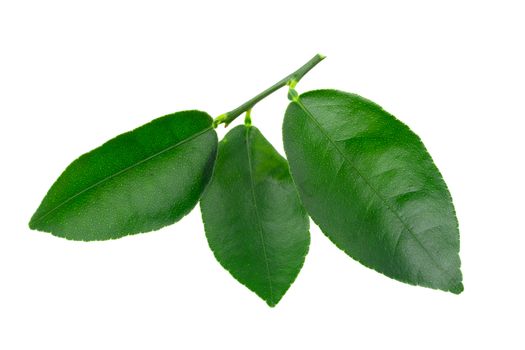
[383,200]
[259,226]
[120,172]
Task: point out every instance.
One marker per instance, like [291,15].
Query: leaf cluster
[362,175]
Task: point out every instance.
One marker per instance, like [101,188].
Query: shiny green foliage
[362,175]
[137,182]
[369,183]
[254,221]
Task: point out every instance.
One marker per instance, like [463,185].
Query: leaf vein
[258,219]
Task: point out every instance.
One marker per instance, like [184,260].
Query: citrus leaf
[369,183]
[139,181]
[254,221]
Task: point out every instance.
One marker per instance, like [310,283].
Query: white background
[74,75]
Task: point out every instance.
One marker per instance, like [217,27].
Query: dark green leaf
[254,221]
[369,183]
[137,182]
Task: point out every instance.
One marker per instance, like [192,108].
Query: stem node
[291,80]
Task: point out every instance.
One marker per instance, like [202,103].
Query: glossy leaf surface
[137,182]
[367,180]
[254,221]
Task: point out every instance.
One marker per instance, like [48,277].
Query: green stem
[290,80]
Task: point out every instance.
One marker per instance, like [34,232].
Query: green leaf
[254,221]
[369,183]
[139,181]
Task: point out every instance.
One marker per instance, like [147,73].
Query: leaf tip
[273,299]
[271,303]
[32,223]
[457,289]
